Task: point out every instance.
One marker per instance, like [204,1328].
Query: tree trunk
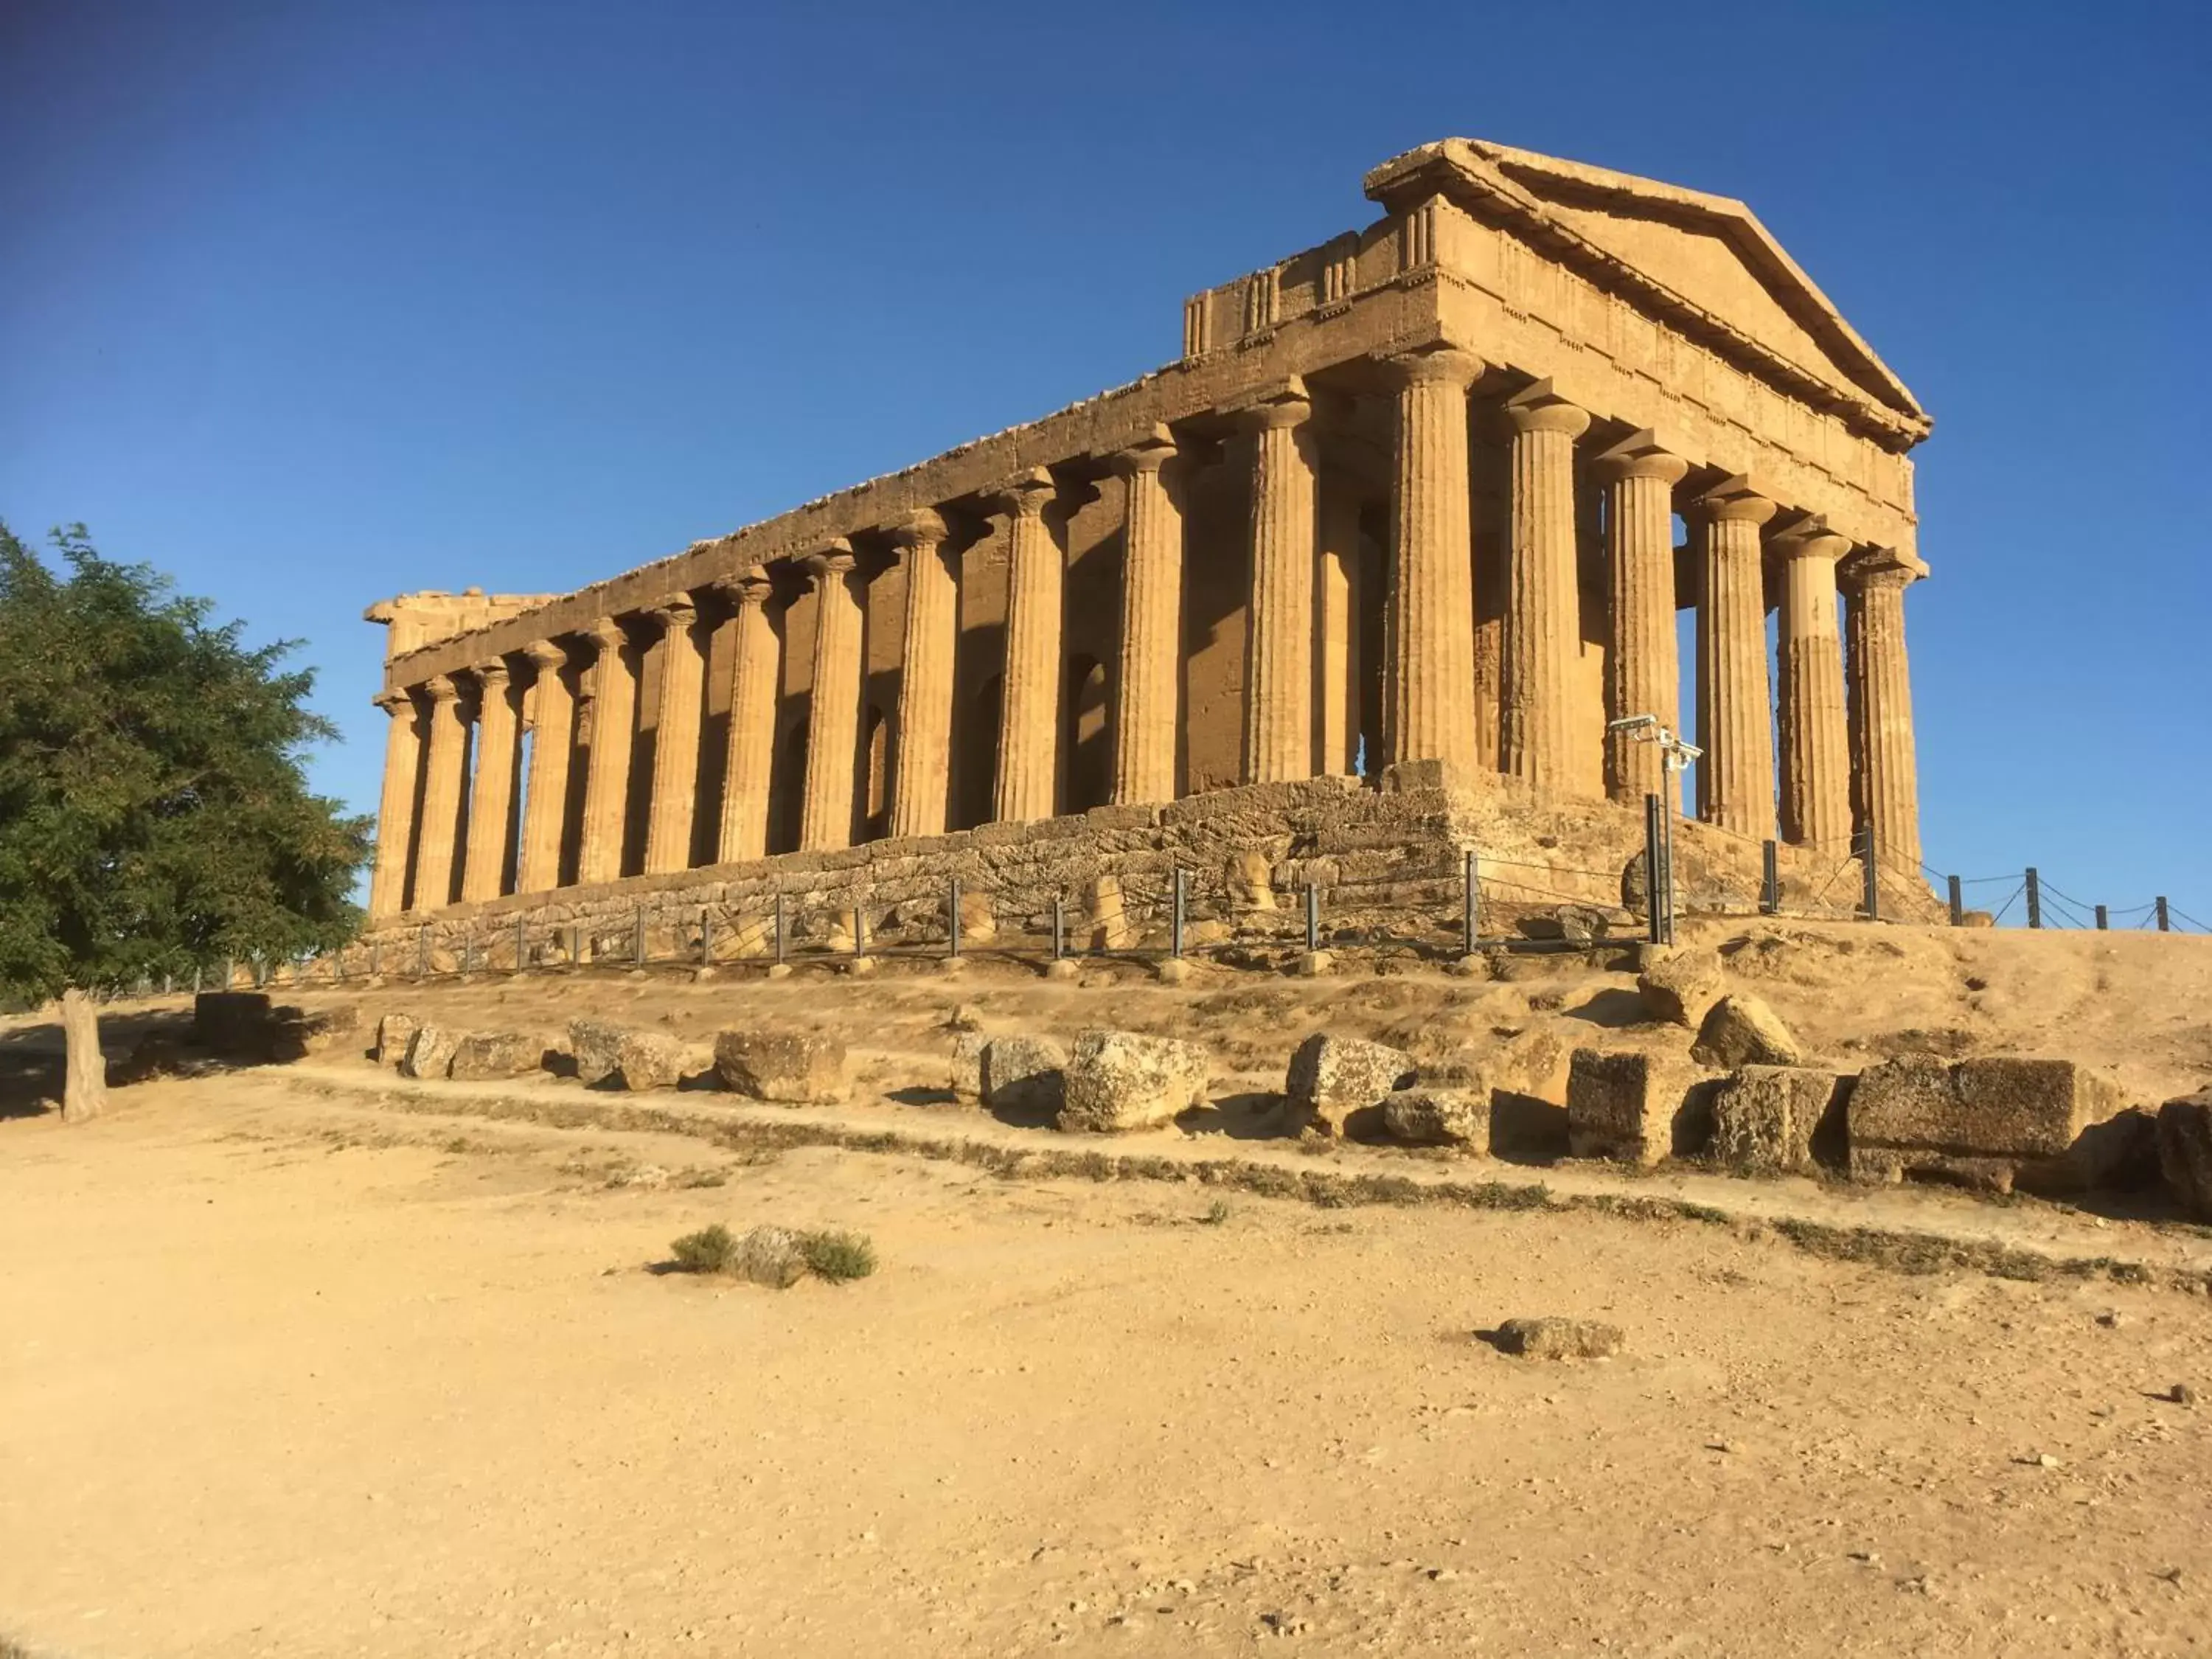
[85,1093]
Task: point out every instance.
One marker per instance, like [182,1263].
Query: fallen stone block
[1681,986]
[1623,1103]
[484,1056]
[429,1052]
[792,1067]
[1118,1080]
[1766,1117]
[2184,1151]
[1994,1123]
[968,1063]
[1330,1077]
[1024,1073]
[1553,1338]
[648,1059]
[597,1046]
[1741,1030]
[393,1033]
[1439,1117]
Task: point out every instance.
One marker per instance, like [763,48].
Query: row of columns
[1303,563]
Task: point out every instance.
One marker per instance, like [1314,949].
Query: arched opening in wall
[876,791]
[1090,758]
[977,744]
[787,786]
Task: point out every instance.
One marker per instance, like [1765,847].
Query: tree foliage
[155,813]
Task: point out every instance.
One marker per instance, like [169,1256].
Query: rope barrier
[2008,904]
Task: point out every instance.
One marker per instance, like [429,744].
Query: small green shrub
[839,1257]
[1216,1214]
[709,1250]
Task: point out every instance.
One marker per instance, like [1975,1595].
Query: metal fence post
[1770,878]
[423,951]
[575,945]
[1470,909]
[637,938]
[1655,911]
[1958,902]
[2034,899]
[2165,922]
[1174,915]
[521,945]
[860,932]
[1312,919]
[1869,878]
[2103,920]
[706,937]
[779,930]
[1059,928]
[952,929]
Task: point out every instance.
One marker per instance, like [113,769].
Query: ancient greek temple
[1436,490]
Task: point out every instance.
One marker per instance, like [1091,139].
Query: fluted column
[444,806]
[1736,711]
[1543,621]
[607,777]
[1028,729]
[1279,611]
[395,807]
[1147,683]
[1337,668]
[545,806]
[1816,763]
[1429,708]
[750,771]
[1643,669]
[920,782]
[491,807]
[675,739]
[833,726]
[1886,785]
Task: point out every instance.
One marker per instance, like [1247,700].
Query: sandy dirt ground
[284,1370]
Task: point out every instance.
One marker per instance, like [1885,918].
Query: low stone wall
[1388,859]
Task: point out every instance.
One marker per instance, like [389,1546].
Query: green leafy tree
[154,814]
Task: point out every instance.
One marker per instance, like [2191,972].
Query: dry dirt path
[288,1374]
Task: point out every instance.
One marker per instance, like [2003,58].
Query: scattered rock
[800,1068]
[429,1052]
[1636,887]
[1764,1118]
[1331,1077]
[1122,1080]
[393,1033]
[1439,1117]
[1680,986]
[1024,1073]
[775,1256]
[968,1065]
[2184,1151]
[482,1055]
[1624,1103]
[1553,1338]
[597,1046]
[2182,1394]
[1741,1030]
[649,1059]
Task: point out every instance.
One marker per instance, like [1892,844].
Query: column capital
[543,654]
[1147,454]
[1429,365]
[490,673]
[1537,408]
[1872,567]
[1639,456]
[1733,500]
[1025,495]
[924,528]
[832,559]
[605,632]
[1282,404]
[676,611]
[394,704]
[1808,537]
[440,688]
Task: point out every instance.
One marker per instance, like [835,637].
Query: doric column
[1736,713]
[746,777]
[1278,613]
[1816,764]
[1337,672]
[833,726]
[395,809]
[1029,729]
[606,779]
[1886,786]
[1428,707]
[1643,669]
[920,784]
[1543,619]
[545,808]
[1148,679]
[491,807]
[675,739]
[444,806]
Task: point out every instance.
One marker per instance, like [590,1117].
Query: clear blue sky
[308,304]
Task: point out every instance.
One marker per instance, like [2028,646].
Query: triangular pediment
[1704,261]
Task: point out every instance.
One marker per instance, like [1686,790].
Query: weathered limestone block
[774,1257]
[1554,1337]
[1741,1030]
[649,1059]
[429,1052]
[597,1046]
[1996,1121]
[1439,1117]
[968,1063]
[482,1055]
[1623,1103]
[1681,986]
[794,1067]
[2184,1151]
[1250,879]
[393,1033]
[1331,1077]
[1110,929]
[1577,924]
[979,918]
[1765,1116]
[1119,1080]
[1025,1074]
